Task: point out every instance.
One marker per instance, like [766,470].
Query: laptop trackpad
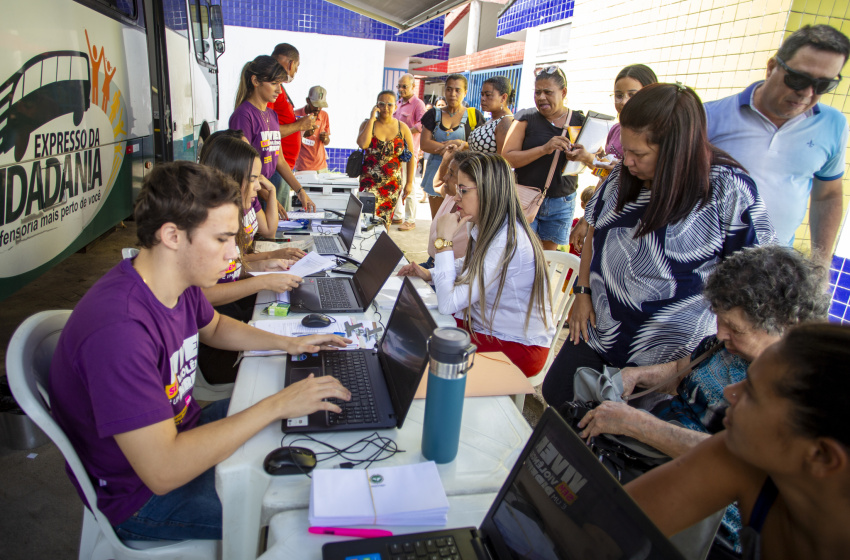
[298,374]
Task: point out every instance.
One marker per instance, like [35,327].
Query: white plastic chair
[559,263]
[28,367]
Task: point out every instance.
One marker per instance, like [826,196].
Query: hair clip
[681,87]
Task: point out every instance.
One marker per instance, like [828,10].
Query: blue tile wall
[441,53]
[839,288]
[531,13]
[175,15]
[318,16]
[337,158]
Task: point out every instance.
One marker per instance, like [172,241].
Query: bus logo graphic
[376,479]
[47,87]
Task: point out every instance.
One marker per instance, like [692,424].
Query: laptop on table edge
[558,502]
[360,289]
[345,238]
[394,367]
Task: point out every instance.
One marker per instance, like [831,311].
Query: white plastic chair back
[28,369]
[129,252]
[559,264]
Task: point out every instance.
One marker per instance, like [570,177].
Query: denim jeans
[192,511]
[554,219]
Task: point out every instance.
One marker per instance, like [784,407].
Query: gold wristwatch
[442,243]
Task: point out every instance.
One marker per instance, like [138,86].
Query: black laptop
[340,244]
[350,293]
[382,381]
[558,503]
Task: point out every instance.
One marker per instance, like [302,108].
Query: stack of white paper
[403,495]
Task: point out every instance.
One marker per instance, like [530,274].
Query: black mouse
[290,460]
[316,320]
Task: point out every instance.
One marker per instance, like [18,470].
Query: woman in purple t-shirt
[235,293]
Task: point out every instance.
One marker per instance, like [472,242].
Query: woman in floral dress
[383,140]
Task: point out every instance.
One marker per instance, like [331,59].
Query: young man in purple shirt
[122,376]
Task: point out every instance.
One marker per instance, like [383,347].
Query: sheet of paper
[306,215]
[388,295]
[364,334]
[311,263]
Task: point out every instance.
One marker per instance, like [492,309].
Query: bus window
[200,14]
[125,7]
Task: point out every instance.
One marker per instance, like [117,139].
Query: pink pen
[348,532]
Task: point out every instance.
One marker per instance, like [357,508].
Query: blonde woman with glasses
[499,291]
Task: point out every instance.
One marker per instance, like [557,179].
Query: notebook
[341,244]
[382,381]
[558,502]
[350,293]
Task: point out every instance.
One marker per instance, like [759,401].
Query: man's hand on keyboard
[316,342]
[309,395]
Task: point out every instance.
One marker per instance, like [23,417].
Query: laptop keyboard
[332,293]
[430,549]
[325,245]
[351,370]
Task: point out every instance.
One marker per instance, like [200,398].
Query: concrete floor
[40,512]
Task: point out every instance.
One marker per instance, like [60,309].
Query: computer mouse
[316,320]
[290,460]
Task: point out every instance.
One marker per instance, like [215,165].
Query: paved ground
[40,512]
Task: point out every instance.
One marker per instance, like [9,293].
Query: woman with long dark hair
[674,208]
[784,456]
[259,85]
[497,94]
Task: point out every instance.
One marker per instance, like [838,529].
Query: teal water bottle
[451,356]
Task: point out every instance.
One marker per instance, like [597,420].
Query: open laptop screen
[561,503]
[350,221]
[404,347]
[376,268]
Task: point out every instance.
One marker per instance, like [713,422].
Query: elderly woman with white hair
[757,294]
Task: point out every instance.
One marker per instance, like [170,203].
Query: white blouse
[509,318]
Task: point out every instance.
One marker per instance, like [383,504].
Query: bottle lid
[450,345]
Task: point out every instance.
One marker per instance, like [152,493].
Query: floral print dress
[382,173]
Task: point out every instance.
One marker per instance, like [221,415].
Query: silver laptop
[340,244]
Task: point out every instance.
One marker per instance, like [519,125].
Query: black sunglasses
[798,80]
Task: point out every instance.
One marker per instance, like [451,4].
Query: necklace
[451,114]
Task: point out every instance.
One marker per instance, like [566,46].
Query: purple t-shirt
[613,146]
[124,361]
[262,131]
[250,223]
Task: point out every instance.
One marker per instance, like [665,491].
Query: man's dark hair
[287,50]
[820,37]
[671,116]
[182,193]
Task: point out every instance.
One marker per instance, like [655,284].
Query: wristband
[581,290]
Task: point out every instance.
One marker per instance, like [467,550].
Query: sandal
[407,226]
[397,221]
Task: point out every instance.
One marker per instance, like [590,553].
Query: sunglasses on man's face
[799,81]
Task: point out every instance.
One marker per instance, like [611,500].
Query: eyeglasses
[402,87]
[554,69]
[463,190]
[798,80]
[383,104]
[623,95]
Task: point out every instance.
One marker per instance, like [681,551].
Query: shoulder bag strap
[555,158]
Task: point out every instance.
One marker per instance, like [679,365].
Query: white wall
[350,69]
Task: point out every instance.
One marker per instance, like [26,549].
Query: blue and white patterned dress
[647,291]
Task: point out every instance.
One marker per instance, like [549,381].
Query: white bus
[92,93]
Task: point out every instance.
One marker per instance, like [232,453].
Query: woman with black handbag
[386,144]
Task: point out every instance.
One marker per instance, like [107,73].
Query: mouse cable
[385,449]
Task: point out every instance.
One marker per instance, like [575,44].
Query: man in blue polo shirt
[792,145]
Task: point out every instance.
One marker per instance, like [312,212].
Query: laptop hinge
[479,546]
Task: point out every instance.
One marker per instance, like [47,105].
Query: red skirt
[529,359]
